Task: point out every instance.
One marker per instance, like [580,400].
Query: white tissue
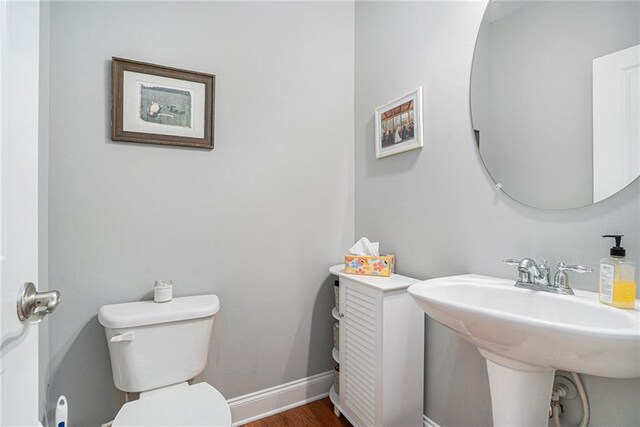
[365,247]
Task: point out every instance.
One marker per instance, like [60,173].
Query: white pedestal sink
[526,335]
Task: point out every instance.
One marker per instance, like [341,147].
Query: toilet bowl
[155,348]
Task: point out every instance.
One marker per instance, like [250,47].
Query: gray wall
[258,220]
[531,96]
[437,210]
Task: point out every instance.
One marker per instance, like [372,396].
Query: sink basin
[518,327]
[526,335]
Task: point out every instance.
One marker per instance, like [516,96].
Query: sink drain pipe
[560,392]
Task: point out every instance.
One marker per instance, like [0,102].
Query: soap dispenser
[617,277]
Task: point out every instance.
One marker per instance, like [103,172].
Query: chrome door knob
[33,306]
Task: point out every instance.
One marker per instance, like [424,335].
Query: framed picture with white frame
[399,125]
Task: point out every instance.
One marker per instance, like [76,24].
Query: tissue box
[370,265]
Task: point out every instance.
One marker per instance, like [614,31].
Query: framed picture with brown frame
[154,104]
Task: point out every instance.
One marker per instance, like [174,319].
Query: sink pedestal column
[519,397]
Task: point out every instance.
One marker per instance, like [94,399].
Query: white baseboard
[263,403]
[428,422]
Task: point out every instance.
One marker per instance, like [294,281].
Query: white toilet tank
[155,345]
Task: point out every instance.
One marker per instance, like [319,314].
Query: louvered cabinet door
[361,353]
[381,344]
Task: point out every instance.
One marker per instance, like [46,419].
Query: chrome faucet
[536,277]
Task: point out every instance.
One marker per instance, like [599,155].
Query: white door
[616,121]
[19,41]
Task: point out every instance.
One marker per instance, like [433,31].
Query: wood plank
[314,414]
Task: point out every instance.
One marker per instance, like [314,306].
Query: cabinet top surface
[391,283]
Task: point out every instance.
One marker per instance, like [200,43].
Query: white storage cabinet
[381,353]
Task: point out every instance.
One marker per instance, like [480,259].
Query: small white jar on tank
[163,291]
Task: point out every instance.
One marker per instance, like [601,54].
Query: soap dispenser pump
[617,277]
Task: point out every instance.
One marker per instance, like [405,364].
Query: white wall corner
[270,401]
[428,422]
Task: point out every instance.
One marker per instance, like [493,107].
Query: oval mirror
[555,99]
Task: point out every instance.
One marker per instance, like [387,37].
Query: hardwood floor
[314,414]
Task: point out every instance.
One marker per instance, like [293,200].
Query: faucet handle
[561,279]
[575,268]
[524,275]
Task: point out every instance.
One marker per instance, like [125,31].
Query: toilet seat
[199,405]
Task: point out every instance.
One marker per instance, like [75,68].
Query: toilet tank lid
[141,313]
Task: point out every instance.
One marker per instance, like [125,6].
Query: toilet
[155,349]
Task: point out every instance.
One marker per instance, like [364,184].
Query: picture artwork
[399,125]
[155,104]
